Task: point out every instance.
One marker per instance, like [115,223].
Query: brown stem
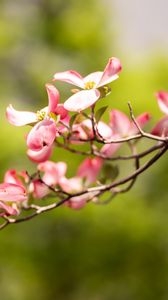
[119,157]
[99,190]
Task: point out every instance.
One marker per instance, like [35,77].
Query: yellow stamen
[41,115]
[89,85]
[53,116]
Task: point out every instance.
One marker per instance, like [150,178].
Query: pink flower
[11,195]
[90,169]
[79,202]
[7,210]
[12,176]
[161,128]
[12,192]
[53,172]
[109,149]
[122,127]
[75,185]
[20,118]
[84,130]
[162,98]
[71,185]
[44,132]
[92,85]
[38,189]
[41,155]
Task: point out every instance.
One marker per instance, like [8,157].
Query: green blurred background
[113,252]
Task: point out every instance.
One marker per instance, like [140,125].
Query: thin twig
[143,133]
[99,190]
[119,157]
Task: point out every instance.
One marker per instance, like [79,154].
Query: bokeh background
[113,252]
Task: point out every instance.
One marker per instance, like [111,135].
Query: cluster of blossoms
[57,125]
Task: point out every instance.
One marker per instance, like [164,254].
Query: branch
[142,133]
[119,157]
[97,191]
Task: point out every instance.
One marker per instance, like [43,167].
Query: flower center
[41,115]
[89,85]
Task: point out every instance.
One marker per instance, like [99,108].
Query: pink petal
[62,127]
[24,176]
[71,185]
[42,134]
[82,100]
[20,118]
[84,129]
[119,122]
[162,98]
[104,130]
[11,176]
[142,120]
[40,190]
[80,131]
[71,77]
[53,97]
[93,77]
[40,156]
[77,202]
[60,110]
[161,128]
[80,201]
[90,168]
[53,172]
[7,210]
[12,192]
[109,149]
[110,73]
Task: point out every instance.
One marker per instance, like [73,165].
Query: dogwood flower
[75,185]
[36,187]
[79,202]
[90,169]
[8,210]
[161,128]
[45,129]
[93,86]
[19,178]
[84,131]
[11,195]
[53,172]
[41,155]
[122,127]
[162,98]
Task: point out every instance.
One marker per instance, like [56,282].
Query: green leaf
[85,115]
[100,113]
[72,120]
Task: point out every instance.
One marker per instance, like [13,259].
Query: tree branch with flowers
[77,124]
